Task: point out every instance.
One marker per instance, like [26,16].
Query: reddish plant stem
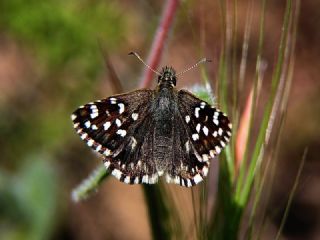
[155,54]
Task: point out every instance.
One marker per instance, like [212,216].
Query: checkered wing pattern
[202,131]
[119,128]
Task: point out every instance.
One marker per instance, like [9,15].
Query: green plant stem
[159,214]
[160,38]
[266,118]
[293,191]
[254,100]
[90,184]
[226,220]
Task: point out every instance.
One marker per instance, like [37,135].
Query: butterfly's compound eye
[174,80]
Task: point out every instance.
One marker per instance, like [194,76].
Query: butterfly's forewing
[205,132]
[118,127]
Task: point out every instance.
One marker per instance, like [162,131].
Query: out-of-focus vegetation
[58,40]
[29,200]
[61,33]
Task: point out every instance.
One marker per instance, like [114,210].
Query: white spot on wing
[73,117]
[205,157]
[94,115]
[220,131]
[107,152]
[197,178]
[118,122]
[195,136]
[202,104]
[205,130]
[218,149]
[177,180]
[136,180]
[121,107]
[113,100]
[134,116]
[126,179]
[98,148]
[189,184]
[196,112]
[212,153]
[182,183]
[106,125]
[187,119]
[145,179]
[116,173]
[198,127]
[216,122]
[153,179]
[107,164]
[87,124]
[205,170]
[90,142]
[93,108]
[121,132]
[84,136]
[215,134]
[94,127]
[169,179]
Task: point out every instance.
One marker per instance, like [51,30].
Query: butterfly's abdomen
[163,129]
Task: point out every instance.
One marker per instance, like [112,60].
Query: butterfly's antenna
[188,69]
[137,55]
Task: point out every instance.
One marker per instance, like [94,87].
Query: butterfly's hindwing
[133,162]
[185,170]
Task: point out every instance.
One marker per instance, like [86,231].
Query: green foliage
[61,31]
[29,200]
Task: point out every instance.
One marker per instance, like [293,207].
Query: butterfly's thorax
[163,108]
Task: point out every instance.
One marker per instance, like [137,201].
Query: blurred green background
[51,62]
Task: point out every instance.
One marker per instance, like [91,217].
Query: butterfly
[145,134]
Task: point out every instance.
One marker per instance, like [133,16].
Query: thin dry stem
[156,51]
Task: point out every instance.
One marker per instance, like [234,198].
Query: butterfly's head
[167,77]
